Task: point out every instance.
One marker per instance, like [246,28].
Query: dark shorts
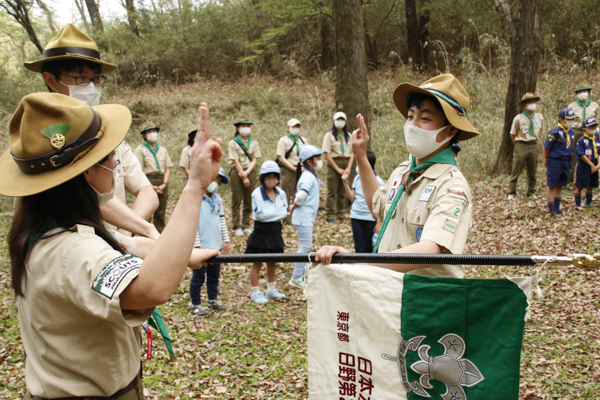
[266,238]
[585,179]
[558,171]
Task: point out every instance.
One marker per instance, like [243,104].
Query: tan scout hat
[193,129]
[70,43]
[53,138]
[149,125]
[529,96]
[452,96]
[584,86]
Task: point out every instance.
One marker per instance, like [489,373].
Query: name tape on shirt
[113,273]
[458,192]
[426,195]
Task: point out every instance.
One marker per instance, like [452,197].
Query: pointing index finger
[203,134]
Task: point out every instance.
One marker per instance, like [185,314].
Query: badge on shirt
[146,153]
[562,134]
[450,226]
[458,192]
[523,122]
[588,152]
[525,131]
[537,120]
[112,274]
[395,187]
[426,195]
[575,109]
[418,233]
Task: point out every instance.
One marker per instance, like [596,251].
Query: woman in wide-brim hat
[79,289]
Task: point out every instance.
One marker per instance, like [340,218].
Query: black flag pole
[579,260]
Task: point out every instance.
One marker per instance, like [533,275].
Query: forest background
[272,60]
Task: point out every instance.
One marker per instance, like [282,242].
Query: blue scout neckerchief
[589,102]
[295,140]
[530,122]
[566,130]
[445,157]
[240,141]
[146,144]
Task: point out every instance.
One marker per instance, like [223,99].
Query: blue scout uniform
[560,141]
[306,214]
[209,226]
[359,209]
[589,146]
[267,209]
[363,223]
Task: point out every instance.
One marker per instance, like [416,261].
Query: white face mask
[104,197]
[294,131]
[339,123]
[319,165]
[245,131]
[89,94]
[583,96]
[421,142]
[213,187]
[531,107]
[152,137]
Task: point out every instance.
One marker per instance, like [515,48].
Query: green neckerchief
[589,102]
[295,139]
[341,141]
[156,321]
[48,226]
[146,144]
[240,141]
[445,157]
[530,122]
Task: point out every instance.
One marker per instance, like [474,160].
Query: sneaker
[532,197]
[248,231]
[559,212]
[330,221]
[199,310]
[510,197]
[274,294]
[216,305]
[298,282]
[239,232]
[580,208]
[590,206]
[258,298]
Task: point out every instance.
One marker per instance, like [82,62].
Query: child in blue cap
[588,165]
[558,148]
[212,234]
[269,204]
[305,207]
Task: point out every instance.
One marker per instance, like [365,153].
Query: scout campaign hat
[193,130]
[149,125]
[583,87]
[70,43]
[242,121]
[452,96]
[529,96]
[53,138]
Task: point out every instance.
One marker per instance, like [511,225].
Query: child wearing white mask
[305,206]
[156,164]
[243,153]
[269,204]
[583,108]
[426,204]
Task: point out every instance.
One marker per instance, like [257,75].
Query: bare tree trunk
[412,33]
[327,55]
[273,60]
[131,16]
[94,13]
[80,8]
[352,85]
[19,10]
[525,26]
[48,16]
[424,14]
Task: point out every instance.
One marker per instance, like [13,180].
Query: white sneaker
[248,231]
[510,197]
[239,232]
[533,197]
[298,282]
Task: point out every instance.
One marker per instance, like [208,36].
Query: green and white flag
[376,334]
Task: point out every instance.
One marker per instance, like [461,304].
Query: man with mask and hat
[426,205]
[526,129]
[583,108]
[71,65]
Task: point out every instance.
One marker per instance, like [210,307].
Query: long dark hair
[71,203]
[344,130]
[299,167]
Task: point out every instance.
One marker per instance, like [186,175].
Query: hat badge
[429,85]
[56,134]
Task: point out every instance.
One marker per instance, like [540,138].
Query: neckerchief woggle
[240,141]
[589,102]
[445,157]
[566,130]
[593,139]
[295,139]
[530,122]
[146,144]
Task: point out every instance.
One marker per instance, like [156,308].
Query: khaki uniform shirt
[285,144]
[77,339]
[435,206]
[148,162]
[521,124]
[334,147]
[590,111]
[237,153]
[131,176]
[184,161]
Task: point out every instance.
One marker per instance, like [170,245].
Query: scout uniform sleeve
[256,151]
[281,150]
[550,139]
[168,162]
[514,129]
[256,203]
[450,219]
[139,153]
[233,154]
[184,160]
[580,148]
[135,179]
[327,142]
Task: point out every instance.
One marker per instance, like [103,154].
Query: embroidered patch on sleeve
[113,273]
[426,195]
[450,226]
[458,192]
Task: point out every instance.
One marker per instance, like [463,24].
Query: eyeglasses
[85,80]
